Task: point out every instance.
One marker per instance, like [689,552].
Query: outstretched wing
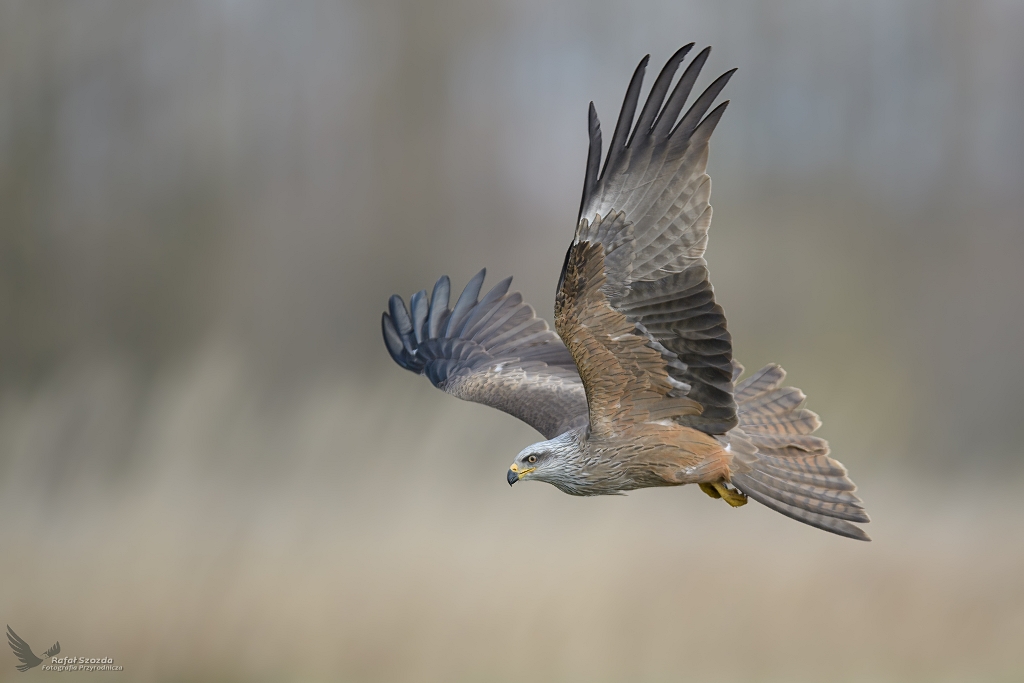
[626,380]
[494,351]
[22,651]
[53,651]
[648,208]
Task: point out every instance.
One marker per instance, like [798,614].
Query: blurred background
[210,469]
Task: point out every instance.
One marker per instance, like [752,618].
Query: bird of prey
[639,387]
[24,653]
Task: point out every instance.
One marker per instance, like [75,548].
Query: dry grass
[330,536]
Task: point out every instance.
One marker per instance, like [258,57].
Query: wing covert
[626,379]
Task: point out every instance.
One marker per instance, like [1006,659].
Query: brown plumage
[639,390]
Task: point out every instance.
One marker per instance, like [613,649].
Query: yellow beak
[515,474]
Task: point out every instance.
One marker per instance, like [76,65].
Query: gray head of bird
[550,461]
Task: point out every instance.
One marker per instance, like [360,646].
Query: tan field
[381,543]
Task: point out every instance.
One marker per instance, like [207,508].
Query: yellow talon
[721,490]
[731,496]
[710,490]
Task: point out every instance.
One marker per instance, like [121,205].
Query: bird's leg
[719,489]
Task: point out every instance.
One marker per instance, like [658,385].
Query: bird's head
[544,461]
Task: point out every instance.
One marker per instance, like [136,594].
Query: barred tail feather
[780,465]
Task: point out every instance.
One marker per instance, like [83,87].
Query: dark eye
[532,458]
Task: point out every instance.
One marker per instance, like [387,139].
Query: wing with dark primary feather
[493,351]
[626,380]
[648,209]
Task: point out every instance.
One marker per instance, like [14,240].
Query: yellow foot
[710,490]
[721,490]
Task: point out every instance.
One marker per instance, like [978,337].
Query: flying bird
[24,653]
[639,386]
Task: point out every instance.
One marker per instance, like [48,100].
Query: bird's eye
[532,458]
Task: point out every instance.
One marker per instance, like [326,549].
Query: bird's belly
[658,455]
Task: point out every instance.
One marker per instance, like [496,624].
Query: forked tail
[779,464]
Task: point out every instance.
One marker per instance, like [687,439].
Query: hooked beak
[515,474]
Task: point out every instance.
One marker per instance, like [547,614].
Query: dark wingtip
[666,119]
[707,126]
[593,157]
[399,314]
[692,118]
[392,341]
[656,97]
[467,300]
[438,310]
[626,113]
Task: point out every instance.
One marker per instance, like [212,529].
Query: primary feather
[494,351]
